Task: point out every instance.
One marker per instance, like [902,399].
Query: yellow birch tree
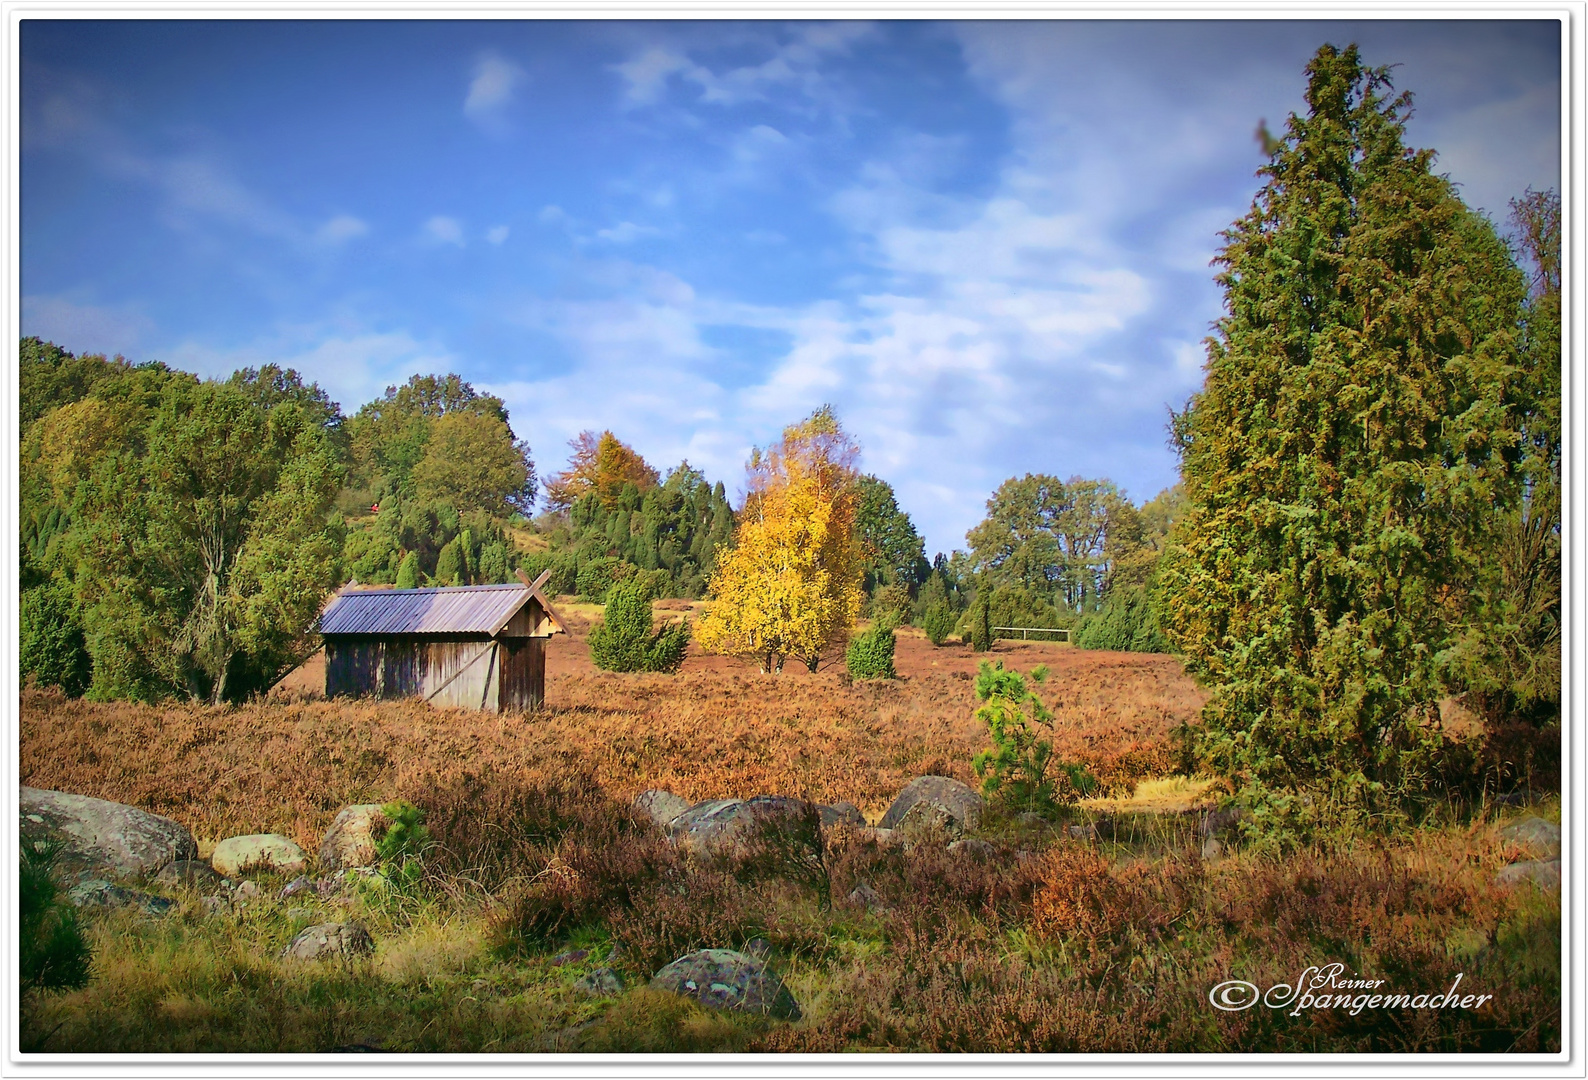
[791,584]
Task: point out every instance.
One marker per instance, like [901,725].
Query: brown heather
[714,731]
[1047,944]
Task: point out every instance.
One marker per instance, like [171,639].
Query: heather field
[540,871]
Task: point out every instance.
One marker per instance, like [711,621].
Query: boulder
[329,941]
[1546,875]
[724,979]
[572,956]
[99,837]
[350,841]
[602,982]
[662,806]
[723,827]
[97,892]
[192,874]
[942,803]
[1535,834]
[260,851]
[841,813]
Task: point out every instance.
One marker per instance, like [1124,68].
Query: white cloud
[444,230]
[497,234]
[490,91]
[795,63]
[626,232]
[352,362]
[341,228]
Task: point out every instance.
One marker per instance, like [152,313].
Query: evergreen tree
[1345,460]
[408,572]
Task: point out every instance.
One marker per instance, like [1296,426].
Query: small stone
[190,873]
[259,851]
[300,914]
[760,948]
[841,813]
[661,806]
[980,849]
[863,895]
[570,957]
[1212,849]
[616,954]
[216,905]
[246,891]
[1083,832]
[1546,875]
[1036,822]
[602,982]
[725,979]
[1535,834]
[296,886]
[329,941]
[1221,821]
[351,839]
[96,892]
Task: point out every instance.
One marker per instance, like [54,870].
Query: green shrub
[1019,770]
[624,640]
[981,620]
[562,565]
[891,603]
[1127,624]
[495,565]
[408,572]
[402,848]
[938,622]
[870,655]
[53,649]
[597,576]
[452,564]
[51,951]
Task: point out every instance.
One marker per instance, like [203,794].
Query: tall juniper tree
[1347,458]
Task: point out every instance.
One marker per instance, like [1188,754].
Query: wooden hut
[475,647]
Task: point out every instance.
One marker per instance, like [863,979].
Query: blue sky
[985,243]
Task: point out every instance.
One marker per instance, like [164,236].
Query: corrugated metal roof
[468,609]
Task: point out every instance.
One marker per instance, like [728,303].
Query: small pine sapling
[870,655]
[1019,769]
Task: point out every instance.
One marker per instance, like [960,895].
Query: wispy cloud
[444,230]
[340,229]
[490,92]
[496,235]
[795,57]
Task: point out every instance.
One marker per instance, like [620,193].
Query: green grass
[958,961]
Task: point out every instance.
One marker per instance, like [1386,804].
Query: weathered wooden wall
[471,672]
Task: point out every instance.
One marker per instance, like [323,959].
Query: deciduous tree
[791,584]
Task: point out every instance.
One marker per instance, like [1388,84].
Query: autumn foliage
[599,463]
[791,586]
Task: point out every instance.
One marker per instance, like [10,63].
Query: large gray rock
[724,979]
[350,841]
[269,852]
[1544,874]
[329,941]
[726,827]
[96,836]
[662,806]
[1535,834]
[935,802]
